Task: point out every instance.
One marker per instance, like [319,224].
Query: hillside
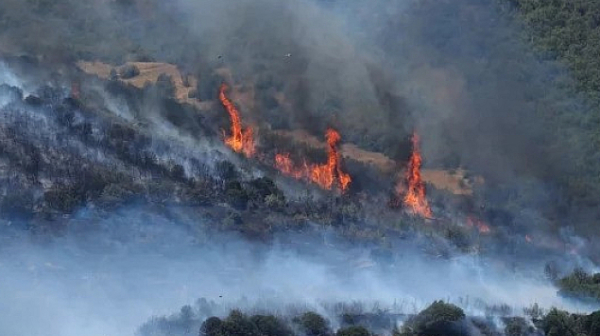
[306,168]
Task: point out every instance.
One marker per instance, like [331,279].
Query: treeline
[580,285]
[438,319]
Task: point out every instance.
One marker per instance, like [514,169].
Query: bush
[558,323]
[237,324]
[517,326]
[211,327]
[353,331]
[313,324]
[581,285]
[129,71]
[439,319]
[269,325]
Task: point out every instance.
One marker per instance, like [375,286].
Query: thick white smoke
[109,275]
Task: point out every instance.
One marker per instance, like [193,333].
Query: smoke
[110,273]
[373,69]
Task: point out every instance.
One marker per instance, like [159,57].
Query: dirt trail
[149,74]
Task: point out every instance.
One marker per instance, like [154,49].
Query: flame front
[325,175]
[241,140]
[415,198]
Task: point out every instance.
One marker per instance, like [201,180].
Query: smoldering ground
[111,272]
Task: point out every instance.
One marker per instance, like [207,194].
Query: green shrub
[439,319]
[238,324]
[211,327]
[558,323]
[580,285]
[353,331]
[313,324]
[269,325]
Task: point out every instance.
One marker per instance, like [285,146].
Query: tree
[313,324]
[439,319]
[211,327]
[353,331]
[558,323]
[269,325]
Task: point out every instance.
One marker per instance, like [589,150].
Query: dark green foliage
[568,31]
[592,324]
[269,325]
[211,327]
[263,191]
[353,331]
[439,319]
[237,324]
[517,326]
[581,285]
[313,324]
[559,323]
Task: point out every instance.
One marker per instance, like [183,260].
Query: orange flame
[285,165]
[325,175]
[241,140]
[415,195]
[479,224]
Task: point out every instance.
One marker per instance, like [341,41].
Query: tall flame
[325,175]
[415,195]
[241,140]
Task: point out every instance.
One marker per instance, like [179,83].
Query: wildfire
[415,198]
[479,224]
[241,140]
[325,175]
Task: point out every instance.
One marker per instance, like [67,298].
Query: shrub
[211,327]
[237,324]
[353,331]
[517,326]
[580,285]
[313,324]
[269,325]
[558,323]
[439,319]
[129,71]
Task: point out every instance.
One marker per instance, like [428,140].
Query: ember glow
[479,224]
[325,175]
[415,199]
[241,140]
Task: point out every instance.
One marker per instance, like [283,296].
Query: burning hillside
[241,139]
[415,198]
[410,190]
[324,175]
